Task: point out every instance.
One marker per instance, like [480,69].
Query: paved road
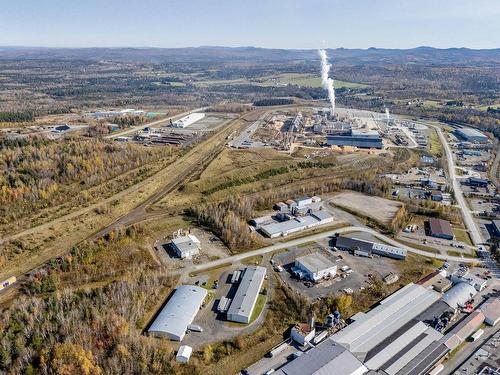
[323,235]
[469,222]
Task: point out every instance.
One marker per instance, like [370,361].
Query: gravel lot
[380,209]
[362,267]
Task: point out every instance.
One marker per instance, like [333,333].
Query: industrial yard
[248,214]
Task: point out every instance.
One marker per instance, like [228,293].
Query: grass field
[435,146]
[456,253]
[259,306]
[462,235]
[252,261]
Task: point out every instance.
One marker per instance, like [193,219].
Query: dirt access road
[127,207]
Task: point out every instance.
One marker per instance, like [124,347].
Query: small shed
[183,354]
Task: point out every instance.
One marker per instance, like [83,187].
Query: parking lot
[212,248]
[363,269]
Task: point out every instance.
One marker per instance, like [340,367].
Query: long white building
[244,300]
[178,313]
[188,120]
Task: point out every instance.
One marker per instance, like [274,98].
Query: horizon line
[242,46]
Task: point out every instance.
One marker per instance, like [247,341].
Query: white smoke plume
[326,80]
[387,116]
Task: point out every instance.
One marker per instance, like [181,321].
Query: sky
[259,23]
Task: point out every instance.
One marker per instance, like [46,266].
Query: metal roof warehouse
[369,329]
[327,358]
[440,228]
[178,313]
[244,300]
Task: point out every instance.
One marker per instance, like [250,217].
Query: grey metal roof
[295,224]
[327,358]
[179,312]
[423,361]
[351,243]
[459,294]
[321,215]
[247,292]
[186,243]
[469,132]
[315,262]
[404,348]
[371,328]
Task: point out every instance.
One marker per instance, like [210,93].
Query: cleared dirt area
[380,209]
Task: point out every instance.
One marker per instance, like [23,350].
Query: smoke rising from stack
[326,81]
[387,116]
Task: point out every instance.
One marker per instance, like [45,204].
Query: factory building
[244,300]
[459,295]
[187,120]
[314,267]
[440,229]
[326,358]
[303,201]
[296,224]
[464,276]
[356,138]
[185,247]
[477,182]
[303,333]
[366,248]
[471,135]
[491,311]
[179,312]
[386,331]
[463,330]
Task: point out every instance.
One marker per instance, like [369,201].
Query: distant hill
[419,55]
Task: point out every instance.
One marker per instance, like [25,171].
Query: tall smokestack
[326,81]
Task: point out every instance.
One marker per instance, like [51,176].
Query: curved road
[320,236]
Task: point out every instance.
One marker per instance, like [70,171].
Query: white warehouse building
[185,247]
[314,267]
[179,312]
[188,120]
[244,300]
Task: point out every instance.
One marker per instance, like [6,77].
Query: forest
[36,173]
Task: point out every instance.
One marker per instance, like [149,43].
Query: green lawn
[259,305]
[435,146]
